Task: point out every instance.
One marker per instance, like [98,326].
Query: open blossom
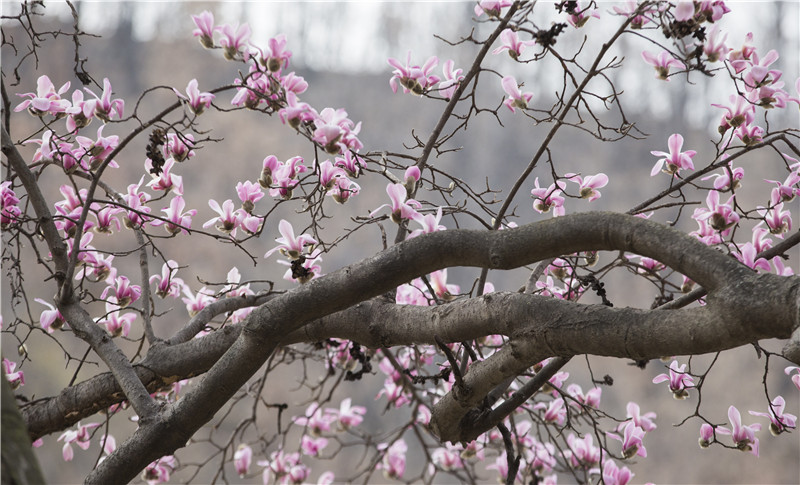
[613,475]
[177,220]
[674,161]
[159,470]
[413,78]
[580,16]
[348,415]
[631,7]
[51,319]
[796,377]
[631,440]
[168,283]
[46,99]
[289,245]
[679,380]
[512,44]
[205,28]
[582,453]
[516,98]
[103,106]
[555,412]
[779,421]
[401,208]
[547,198]
[79,436]
[491,8]
[429,223]
[452,78]
[744,437]
[721,217]
[233,39]
[644,421]
[114,321]
[197,101]
[662,63]
[590,399]
[15,378]
[394,459]
[778,220]
[589,185]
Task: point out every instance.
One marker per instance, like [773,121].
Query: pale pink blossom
[779,421]
[679,380]
[662,62]
[205,28]
[289,245]
[197,101]
[516,98]
[674,161]
[512,44]
[744,437]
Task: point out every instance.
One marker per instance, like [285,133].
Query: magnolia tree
[478,372]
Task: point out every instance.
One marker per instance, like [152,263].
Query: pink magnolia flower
[46,99]
[51,319]
[401,208]
[582,453]
[706,435]
[103,106]
[165,180]
[242,459]
[205,28]
[779,421]
[97,150]
[197,301]
[447,458]
[644,421]
[159,470]
[777,219]
[747,256]
[394,459]
[115,323]
[135,200]
[613,475]
[343,190]
[554,411]
[177,220]
[715,48]
[348,415]
[512,44]
[9,210]
[516,98]
[79,436]
[547,198]
[295,112]
[662,63]
[293,83]
[684,10]
[590,399]
[452,78]
[233,39]
[786,190]
[491,8]
[580,16]
[722,217]
[168,283]
[328,173]
[679,380]
[312,446]
[249,193]
[729,179]
[438,280]
[197,101]
[179,146]
[631,7]
[713,9]
[589,185]
[743,112]
[413,78]
[429,223]
[125,292]
[14,378]
[289,245]
[228,219]
[277,56]
[631,440]
[674,161]
[744,437]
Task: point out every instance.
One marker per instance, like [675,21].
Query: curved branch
[730,284]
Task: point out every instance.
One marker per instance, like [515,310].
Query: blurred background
[341,50]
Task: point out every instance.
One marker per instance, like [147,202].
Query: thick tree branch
[732,288]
